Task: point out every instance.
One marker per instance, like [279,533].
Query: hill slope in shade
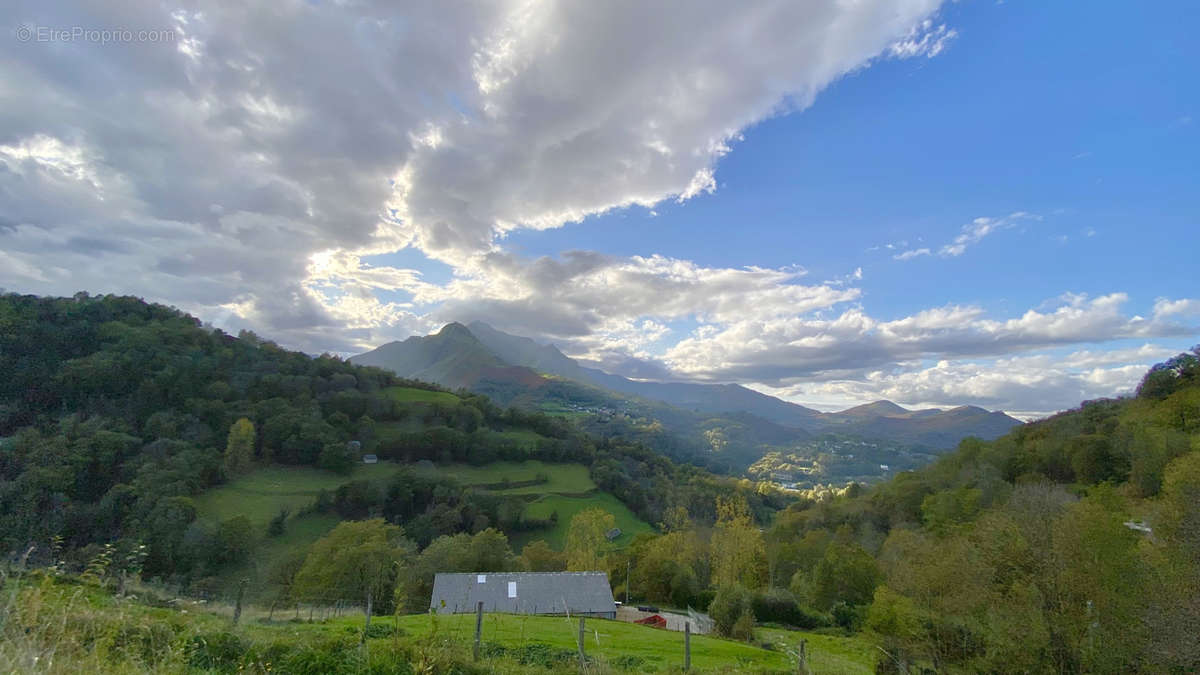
[466,356]
[452,357]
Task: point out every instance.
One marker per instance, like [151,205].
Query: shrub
[780,606]
[337,458]
[376,630]
[629,662]
[849,616]
[216,651]
[278,523]
[531,654]
[729,607]
[330,657]
[743,628]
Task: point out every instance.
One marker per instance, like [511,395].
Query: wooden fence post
[367,625]
[237,609]
[687,645]
[582,653]
[478,626]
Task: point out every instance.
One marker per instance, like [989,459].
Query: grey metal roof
[536,593]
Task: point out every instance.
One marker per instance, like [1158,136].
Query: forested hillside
[117,417]
[1069,545]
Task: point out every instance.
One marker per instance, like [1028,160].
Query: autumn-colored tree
[1175,613]
[738,553]
[665,565]
[358,560]
[239,450]
[537,556]
[586,542]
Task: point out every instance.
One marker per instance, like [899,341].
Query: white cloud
[926,40]
[780,350]
[979,228]
[972,233]
[581,108]
[1025,386]
[1184,308]
[247,172]
[209,171]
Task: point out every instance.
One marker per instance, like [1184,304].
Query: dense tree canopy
[115,414]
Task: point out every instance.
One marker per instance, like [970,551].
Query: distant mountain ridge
[470,356]
[711,398]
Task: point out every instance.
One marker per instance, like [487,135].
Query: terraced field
[561,478]
[411,395]
[260,494]
[567,491]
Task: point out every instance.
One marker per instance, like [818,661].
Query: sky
[978,202]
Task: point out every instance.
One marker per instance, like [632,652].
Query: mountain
[452,357]
[881,419]
[512,368]
[709,398]
[931,428]
[876,409]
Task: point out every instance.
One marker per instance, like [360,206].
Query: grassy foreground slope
[646,649]
[63,625]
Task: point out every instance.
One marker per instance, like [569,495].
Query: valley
[142,452]
[726,428]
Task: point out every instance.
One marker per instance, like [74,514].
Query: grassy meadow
[568,506]
[614,642]
[64,625]
[563,478]
[411,395]
[826,653]
[568,491]
[260,494]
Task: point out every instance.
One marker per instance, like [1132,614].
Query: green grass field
[569,491]
[410,395]
[260,494]
[300,533]
[524,437]
[60,625]
[826,653]
[564,478]
[651,649]
[567,507]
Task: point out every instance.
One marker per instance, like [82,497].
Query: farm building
[574,593]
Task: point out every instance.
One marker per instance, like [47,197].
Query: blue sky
[1083,120]
[937,203]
